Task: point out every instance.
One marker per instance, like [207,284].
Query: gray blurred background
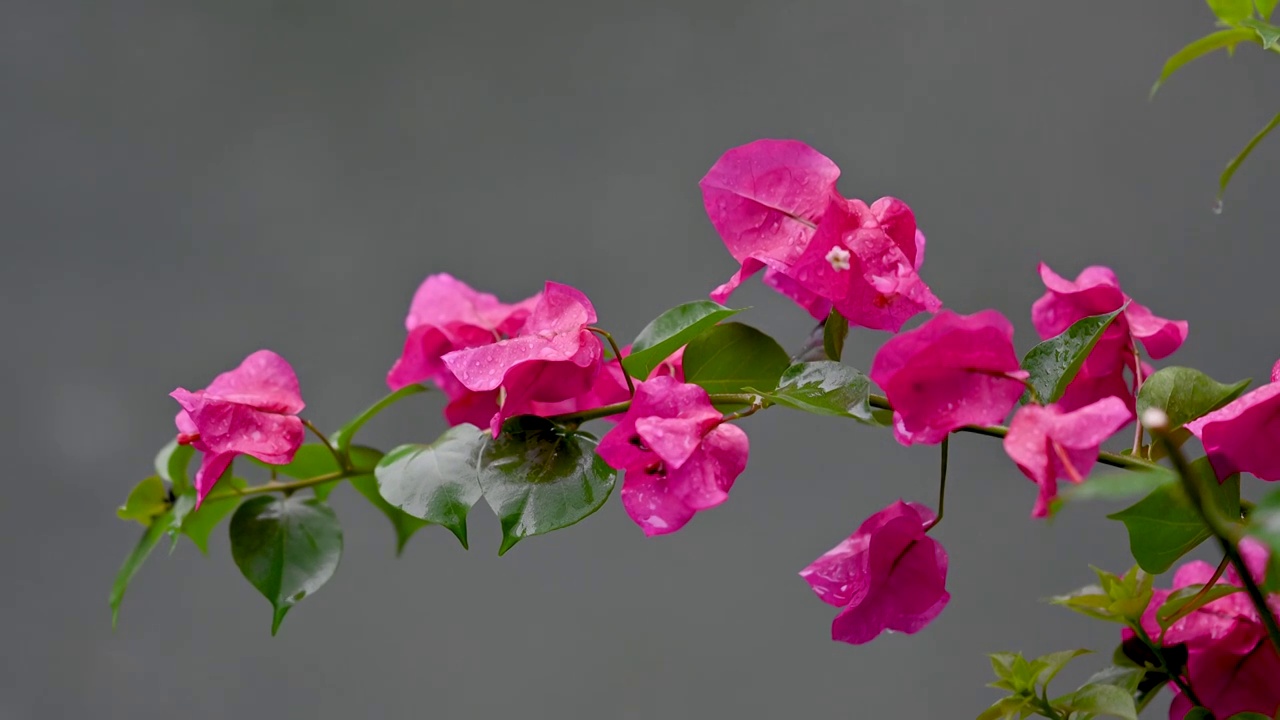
[185,182]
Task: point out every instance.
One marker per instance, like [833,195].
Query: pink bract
[888,575]
[553,357]
[251,410]
[952,371]
[1240,437]
[1048,444]
[1096,291]
[678,455]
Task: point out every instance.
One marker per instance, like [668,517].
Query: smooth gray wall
[184,182]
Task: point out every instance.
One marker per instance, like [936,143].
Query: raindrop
[1217,206]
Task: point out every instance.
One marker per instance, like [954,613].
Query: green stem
[348,432]
[576,418]
[1226,531]
[286,487]
[617,355]
[1158,651]
[1185,611]
[338,457]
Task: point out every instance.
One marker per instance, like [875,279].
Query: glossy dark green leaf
[1186,600]
[198,524]
[436,483]
[1238,160]
[1221,40]
[1185,394]
[342,439]
[150,538]
[671,331]
[171,464]
[1118,485]
[287,548]
[734,356]
[146,500]
[823,388]
[834,332]
[1231,11]
[1055,362]
[1099,700]
[1164,526]
[538,477]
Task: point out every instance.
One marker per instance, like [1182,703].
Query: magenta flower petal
[1040,437]
[814,304]
[765,198]
[855,263]
[952,371]
[1159,336]
[1240,437]
[888,575]
[250,410]
[678,455]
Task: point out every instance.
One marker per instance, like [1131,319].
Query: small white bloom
[839,258]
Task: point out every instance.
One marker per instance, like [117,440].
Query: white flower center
[839,259]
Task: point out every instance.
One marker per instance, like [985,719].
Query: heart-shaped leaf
[1185,394]
[671,331]
[732,357]
[1054,363]
[287,548]
[436,483]
[538,477]
[823,388]
[1165,525]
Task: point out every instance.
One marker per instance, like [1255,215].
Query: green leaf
[1185,394]
[150,538]
[1002,664]
[1248,716]
[199,524]
[314,459]
[1091,600]
[436,483]
[1265,8]
[1268,34]
[823,388]
[285,547]
[1198,713]
[1184,601]
[1231,11]
[834,332]
[342,439]
[1127,678]
[538,477]
[671,331]
[1264,524]
[732,357]
[1055,362]
[1223,39]
[171,464]
[1118,485]
[1238,160]
[1047,667]
[1010,707]
[146,500]
[1164,526]
[1102,699]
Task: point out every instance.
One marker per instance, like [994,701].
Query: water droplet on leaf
[1217,206]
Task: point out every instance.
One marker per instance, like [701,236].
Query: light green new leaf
[1103,699]
[150,538]
[146,500]
[1231,11]
[1221,40]
[1235,163]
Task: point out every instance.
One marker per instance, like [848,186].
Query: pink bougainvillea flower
[1231,662]
[1048,444]
[553,357]
[952,371]
[1096,291]
[445,315]
[251,410]
[1240,437]
[678,454]
[865,266]
[888,575]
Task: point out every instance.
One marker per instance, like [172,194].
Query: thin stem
[621,407]
[1137,385]
[617,354]
[1167,669]
[287,487]
[348,432]
[942,486]
[1223,529]
[1185,611]
[1072,473]
[756,407]
[337,456]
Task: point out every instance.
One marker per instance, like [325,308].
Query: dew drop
[1217,206]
